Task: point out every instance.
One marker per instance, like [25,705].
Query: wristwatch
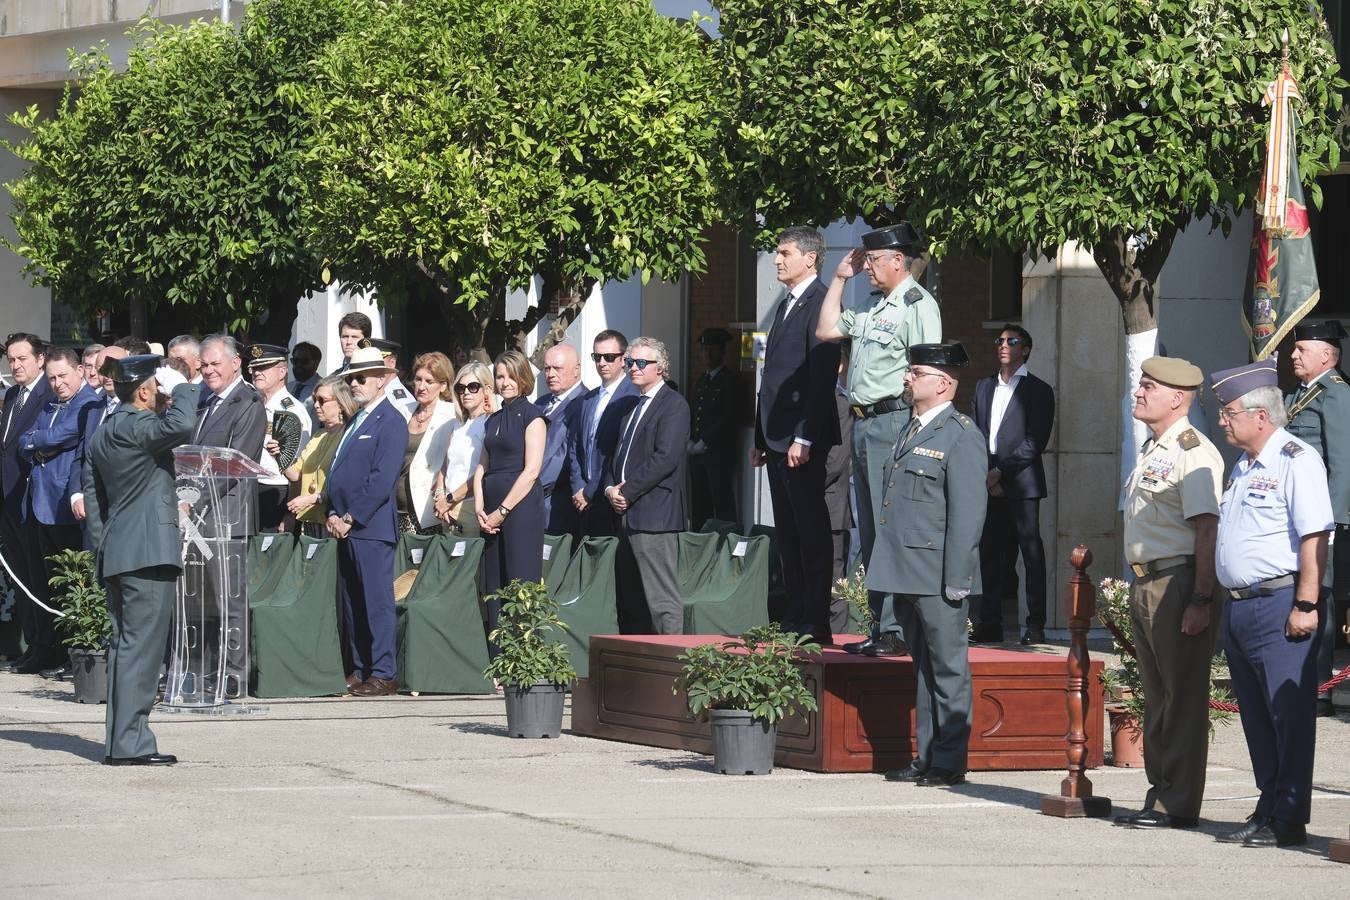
[504,511]
[347,517]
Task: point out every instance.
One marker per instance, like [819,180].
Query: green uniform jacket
[1321,419]
[932,515]
[129,486]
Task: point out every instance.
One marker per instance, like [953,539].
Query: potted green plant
[853,591]
[532,665]
[85,626]
[1123,685]
[744,687]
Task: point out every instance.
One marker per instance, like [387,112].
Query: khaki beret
[1174,372]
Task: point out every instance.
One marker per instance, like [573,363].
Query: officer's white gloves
[956,594]
[168,379]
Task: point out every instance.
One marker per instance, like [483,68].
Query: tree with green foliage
[178,181]
[472,146]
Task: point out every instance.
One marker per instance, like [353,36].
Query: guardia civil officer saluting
[927,556]
[1274,518]
[1319,415]
[133,529]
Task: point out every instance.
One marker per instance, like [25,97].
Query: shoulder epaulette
[1336,378]
[1292,449]
[963,419]
[1188,439]
[287,402]
[913,295]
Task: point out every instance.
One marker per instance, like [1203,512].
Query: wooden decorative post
[1075,799]
[1339,851]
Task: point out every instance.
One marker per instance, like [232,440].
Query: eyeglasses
[1011,342]
[359,379]
[607,357]
[1225,414]
[468,387]
[642,364]
[874,257]
[320,401]
[913,373]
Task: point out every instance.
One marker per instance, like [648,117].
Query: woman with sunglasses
[334,406]
[454,485]
[429,429]
[506,483]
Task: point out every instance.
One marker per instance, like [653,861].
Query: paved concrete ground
[409,796]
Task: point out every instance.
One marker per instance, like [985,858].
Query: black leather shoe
[60,672]
[856,647]
[149,759]
[911,772]
[936,777]
[1151,818]
[41,662]
[1033,636]
[1325,707]
[985,633]
[13,664]
[1254,824]
[1277,833]
[886,645]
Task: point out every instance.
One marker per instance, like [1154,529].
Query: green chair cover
[294,623]
[441,645]
[586,595]
[777,600]
[720,526]
[724,593]
[557,555]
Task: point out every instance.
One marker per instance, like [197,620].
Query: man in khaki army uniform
[898,316]
[1171,519]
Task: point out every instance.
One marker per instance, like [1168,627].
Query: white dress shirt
[1003,391]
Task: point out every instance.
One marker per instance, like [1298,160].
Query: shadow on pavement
[698,763]
[479,728]
[54,740]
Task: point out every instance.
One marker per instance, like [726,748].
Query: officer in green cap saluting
[133,529]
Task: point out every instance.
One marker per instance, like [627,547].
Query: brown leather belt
[881,407]
[1155,566]
[1262,588]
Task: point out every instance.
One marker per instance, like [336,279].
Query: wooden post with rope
[1075,799]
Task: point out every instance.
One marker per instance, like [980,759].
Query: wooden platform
[865,720]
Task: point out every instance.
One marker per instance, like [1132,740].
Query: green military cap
[1174,372]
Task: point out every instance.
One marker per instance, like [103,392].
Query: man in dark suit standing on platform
[561,406]
[27,354]
[796,424]
[646,485]
[1015,411]
[362,512]
[592,445]
[712,433]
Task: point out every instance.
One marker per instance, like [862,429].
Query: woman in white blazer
[429,429]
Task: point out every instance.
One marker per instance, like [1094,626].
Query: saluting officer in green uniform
[1319,415]
[927,556]
[133,529]
[898,316]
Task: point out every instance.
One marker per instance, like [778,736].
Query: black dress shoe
[13,664]
[1254,824]
[886,645]
[911,772]
[936,777]
[1151,818]
[1277,833]
[149,759]
[41,662]
[1325,707]
[986,633]
[1033,636]
[856,647]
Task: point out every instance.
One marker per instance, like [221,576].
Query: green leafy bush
[530,653]
[756,672]
[86,624]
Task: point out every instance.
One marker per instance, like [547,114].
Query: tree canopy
[480,144]
[178,180]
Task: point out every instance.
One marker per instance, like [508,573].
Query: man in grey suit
[928,556]
[133,527]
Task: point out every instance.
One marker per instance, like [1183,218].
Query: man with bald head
[562,375]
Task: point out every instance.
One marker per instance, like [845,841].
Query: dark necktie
[628,435]
[210,408]
[914,427]
[18,408]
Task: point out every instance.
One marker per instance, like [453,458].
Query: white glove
[956,594]
[168,379]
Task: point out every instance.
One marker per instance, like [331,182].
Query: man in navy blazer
[362,513]
[796,424]
[646,485]
[27,354]
[592,444]
[50,448]
[1015,410]
[561,405]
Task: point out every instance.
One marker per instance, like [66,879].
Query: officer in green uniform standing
[133,529]
[1319,415]
[712,433]
[898,316]
[927,556]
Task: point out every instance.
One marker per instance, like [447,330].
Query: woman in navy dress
[506,491]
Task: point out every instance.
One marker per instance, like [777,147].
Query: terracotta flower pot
[1127,740]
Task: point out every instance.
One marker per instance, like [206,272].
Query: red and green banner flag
[1282,275]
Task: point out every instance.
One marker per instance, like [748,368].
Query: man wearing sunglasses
[1015,411]
[882,330]
[592,444]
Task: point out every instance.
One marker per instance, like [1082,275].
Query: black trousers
[805,543]
[39,626]
[712,488]
[1012,526]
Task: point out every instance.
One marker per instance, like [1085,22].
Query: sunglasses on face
[642,364]
[468,387]
[1011,342]
[607,357]
[320,401]
[359,379]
